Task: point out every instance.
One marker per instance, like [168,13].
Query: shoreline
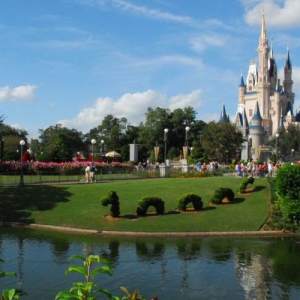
[275,233]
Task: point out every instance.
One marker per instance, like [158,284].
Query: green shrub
[287,186]
[144,204]
[190,198]
[113,199]
[244,184]
[220,194]
[288,181]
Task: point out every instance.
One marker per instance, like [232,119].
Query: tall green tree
[57,143]
[116,133]
[10,141]
[288,140]
[221,140]
[152,131]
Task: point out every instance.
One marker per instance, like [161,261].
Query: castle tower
[256,130]
[224,117]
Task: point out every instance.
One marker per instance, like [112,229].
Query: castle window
[250,81]
[250,88]
[250,112]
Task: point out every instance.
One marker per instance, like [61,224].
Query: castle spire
[242,83]
[288,61]
[224,118]
[256,119]
[263,27]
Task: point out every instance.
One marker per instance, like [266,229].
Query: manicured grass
[79,205]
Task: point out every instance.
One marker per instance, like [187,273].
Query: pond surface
[168,268]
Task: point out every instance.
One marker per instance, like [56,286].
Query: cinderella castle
[265,103]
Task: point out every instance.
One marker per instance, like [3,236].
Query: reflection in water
[254,277]
[150,252]
[20,273]
[170,268]
[113,254]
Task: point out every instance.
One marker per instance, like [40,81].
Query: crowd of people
[257,170]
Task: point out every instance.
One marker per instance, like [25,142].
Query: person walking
[87,173]
[92,173]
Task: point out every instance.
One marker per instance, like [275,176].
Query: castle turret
[288,82]
[256,130]
[242,90]
[224,117]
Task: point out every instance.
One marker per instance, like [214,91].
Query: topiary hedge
[190,198]
[113,199]
[287,185]
[220,194]
[244,184]
[144,204]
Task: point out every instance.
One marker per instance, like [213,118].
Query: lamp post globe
[166,130]
[102,147]
[21,183]
[93,141]
[187,129]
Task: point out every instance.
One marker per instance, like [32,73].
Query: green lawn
[79,206]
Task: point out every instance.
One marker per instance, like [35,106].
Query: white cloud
[279,13]
[152,13]
[184,100]
[131,106]
[142,11]
[24,92]
[201,42]
[167,60]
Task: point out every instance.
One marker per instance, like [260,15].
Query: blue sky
[75,61]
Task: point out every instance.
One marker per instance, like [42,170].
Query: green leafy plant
[144,204]
[113,199]
[220,194]
[287,183]
[12,294]
[190,198]
[88,289]
[287,189]
[245,183]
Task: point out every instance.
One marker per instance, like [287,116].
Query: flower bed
[62,168]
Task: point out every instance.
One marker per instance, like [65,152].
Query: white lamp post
[166,130]
[21,183]
[102,147]
[93,141]
[187,129]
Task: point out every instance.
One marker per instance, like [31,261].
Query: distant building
[265,104]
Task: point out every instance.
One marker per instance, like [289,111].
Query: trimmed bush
[144,204]
[190,198]
[287,182]
[222,193]
[244,184]
[288,192]
[113,199]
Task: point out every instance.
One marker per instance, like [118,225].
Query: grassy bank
[79,205]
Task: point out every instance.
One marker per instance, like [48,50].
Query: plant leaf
[102,270]
[81,270]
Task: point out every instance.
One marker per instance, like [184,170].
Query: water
[169,268]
